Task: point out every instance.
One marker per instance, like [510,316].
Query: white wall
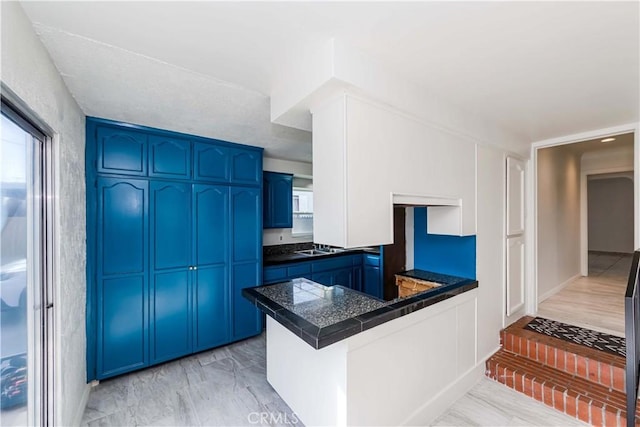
[28,72]
[302,173]
[558,215]
[620,158]
[610,214]
[490,258]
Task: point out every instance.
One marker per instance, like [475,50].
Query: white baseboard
[442,401]
[77,419]
[558,288]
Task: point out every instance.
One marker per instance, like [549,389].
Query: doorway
[567,246]
[26,315]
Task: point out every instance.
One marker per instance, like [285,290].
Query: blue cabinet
[278,199]
[361,272]
[372,275]
[121,282]
[169,157]
[246,206]
[174,233]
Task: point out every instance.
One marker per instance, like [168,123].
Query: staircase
[582,382]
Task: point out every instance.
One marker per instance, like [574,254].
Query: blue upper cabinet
[277,199]
[246,167]
[169,157]
[121,151]
[211,163]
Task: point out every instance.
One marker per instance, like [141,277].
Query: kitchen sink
[311,252]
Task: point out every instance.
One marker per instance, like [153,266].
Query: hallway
[594,302]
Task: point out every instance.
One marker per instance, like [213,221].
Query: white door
[515,274]
[515,197]
[515,228]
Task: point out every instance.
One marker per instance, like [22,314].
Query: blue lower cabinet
[246,272]
[324,278]
[171,316]
[211,307]
[344,277]
[372,281]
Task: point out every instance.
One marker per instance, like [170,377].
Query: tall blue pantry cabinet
[174,233]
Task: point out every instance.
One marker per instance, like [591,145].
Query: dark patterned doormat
[576,334]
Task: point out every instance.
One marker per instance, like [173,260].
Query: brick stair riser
[599,372]
[589,409]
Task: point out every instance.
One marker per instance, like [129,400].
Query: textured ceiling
[539,69]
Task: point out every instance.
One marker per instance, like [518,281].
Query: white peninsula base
[403,372]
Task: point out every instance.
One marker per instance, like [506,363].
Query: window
[302,212]
[25,272]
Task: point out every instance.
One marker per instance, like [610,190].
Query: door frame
[584,213]
[532,291]
[44,365]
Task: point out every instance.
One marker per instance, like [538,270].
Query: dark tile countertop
[294,257]
[322,315]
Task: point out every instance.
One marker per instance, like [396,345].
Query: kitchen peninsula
[340,357]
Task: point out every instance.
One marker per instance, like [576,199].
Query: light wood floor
[490,403]
[595,302]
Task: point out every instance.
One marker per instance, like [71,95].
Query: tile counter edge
[318,337]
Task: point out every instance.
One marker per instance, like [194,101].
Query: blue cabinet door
[170,243]
[211,274]
[121,151]
[344,277]
[278,199]
[246,243]
[169,157]
[372,283]
[211,163]
[324,278]
[246,166]
[121,276]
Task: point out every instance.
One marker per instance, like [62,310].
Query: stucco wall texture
[28,71]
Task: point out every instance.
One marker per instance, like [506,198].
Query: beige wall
[558,216]
[610,214]
[28,72]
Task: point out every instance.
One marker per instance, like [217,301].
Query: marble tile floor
[228,387]
[594,302]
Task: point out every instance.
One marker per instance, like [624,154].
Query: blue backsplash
[442,254]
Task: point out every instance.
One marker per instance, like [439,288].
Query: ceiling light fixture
[608,140]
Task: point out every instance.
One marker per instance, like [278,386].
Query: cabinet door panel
[515,274]
[169,158]
[211,307]
[278,191]
[515,196]
[372,283]
[122,325]
[246,224]
[246,167]
[325,278]
[212,163]
[170,225]
[211,222]
[247,319]
[171,317]
[343,277]
[121,151]
[122,225]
